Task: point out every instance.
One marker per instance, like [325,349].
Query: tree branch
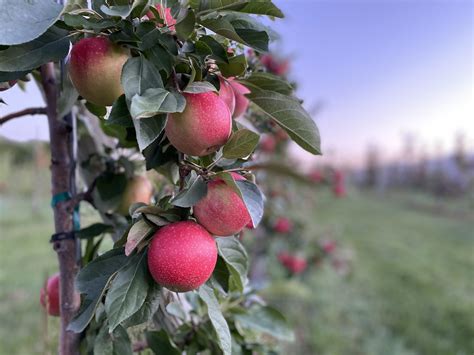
[25,112]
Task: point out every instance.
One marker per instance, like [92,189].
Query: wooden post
[61,173]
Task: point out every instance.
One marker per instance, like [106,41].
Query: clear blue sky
[382,69]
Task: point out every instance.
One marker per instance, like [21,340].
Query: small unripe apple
[226,93]
[283,225]
[203,127]
[241,102]
[222,212]
[7,85]
[95,68]
[138,189]
[49,297]
[182,256]
[165,15]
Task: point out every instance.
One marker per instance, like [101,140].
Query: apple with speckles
[203,127]
[95,68]
[182,256]
[226,93]
[222,212]
[241,102]
[138,189]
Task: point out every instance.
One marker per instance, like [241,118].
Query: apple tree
[169,87]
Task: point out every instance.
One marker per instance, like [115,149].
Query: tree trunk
[61,181]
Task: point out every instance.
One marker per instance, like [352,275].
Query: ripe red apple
[294,264]
[165,15]
[138,189]
[241,102]
[222,212]
[329,246]
[49,297]
[268,144]
[274,65]
[203,127]
[95,68]
[7,85]
[226,93]
[182,256]
[283,225]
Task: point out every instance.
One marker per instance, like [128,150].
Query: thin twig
[25,112]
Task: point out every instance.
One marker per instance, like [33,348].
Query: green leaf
[290,115]
[236,259]
[198,87]
[139,231]
[213,47]
[240,145]
[176,310]
[160,343]
[138,75]
[185,24]
[155,101]
[92,281]
[267,320]
[237,66]
[159,153]
[12,75]
[253,199]
[217,319]
[128,291]
[119,115]
[262,8]
[50,47]
[149,307]
[270,82]
[191,195]
[99,111]
[116,343]
[94,230]
[67,97]
[23,21]
[79,21]
[148,130]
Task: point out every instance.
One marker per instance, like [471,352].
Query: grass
[409,292]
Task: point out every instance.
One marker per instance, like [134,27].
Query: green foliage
[240,145]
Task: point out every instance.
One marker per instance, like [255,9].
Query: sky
[379,70]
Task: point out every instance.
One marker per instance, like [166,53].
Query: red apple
[329,246]
[49,297]
[182,256]
[226,93]
[283,225]
[95,68]
[294,264]
[268,144]
[203,127]
[241,102]
[138,189]
[222,212]
[275,66]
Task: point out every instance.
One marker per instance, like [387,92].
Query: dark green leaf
[138,75]
[160,342]
[116,343]
[23,21]
[50,47]
[262,8]
[94,230]
[155,101]
[267,320]
[148,130]
[12,75]
[217,319]
[240,145]
[253,199]
[158,153]
[119,115]
[290,115]
[149,307]
[270,82]
[128,291]
[236,259]
[92,281]
[192,195]
[236,66]
[79,21]
[214,48]
[185,24]
[139,231]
